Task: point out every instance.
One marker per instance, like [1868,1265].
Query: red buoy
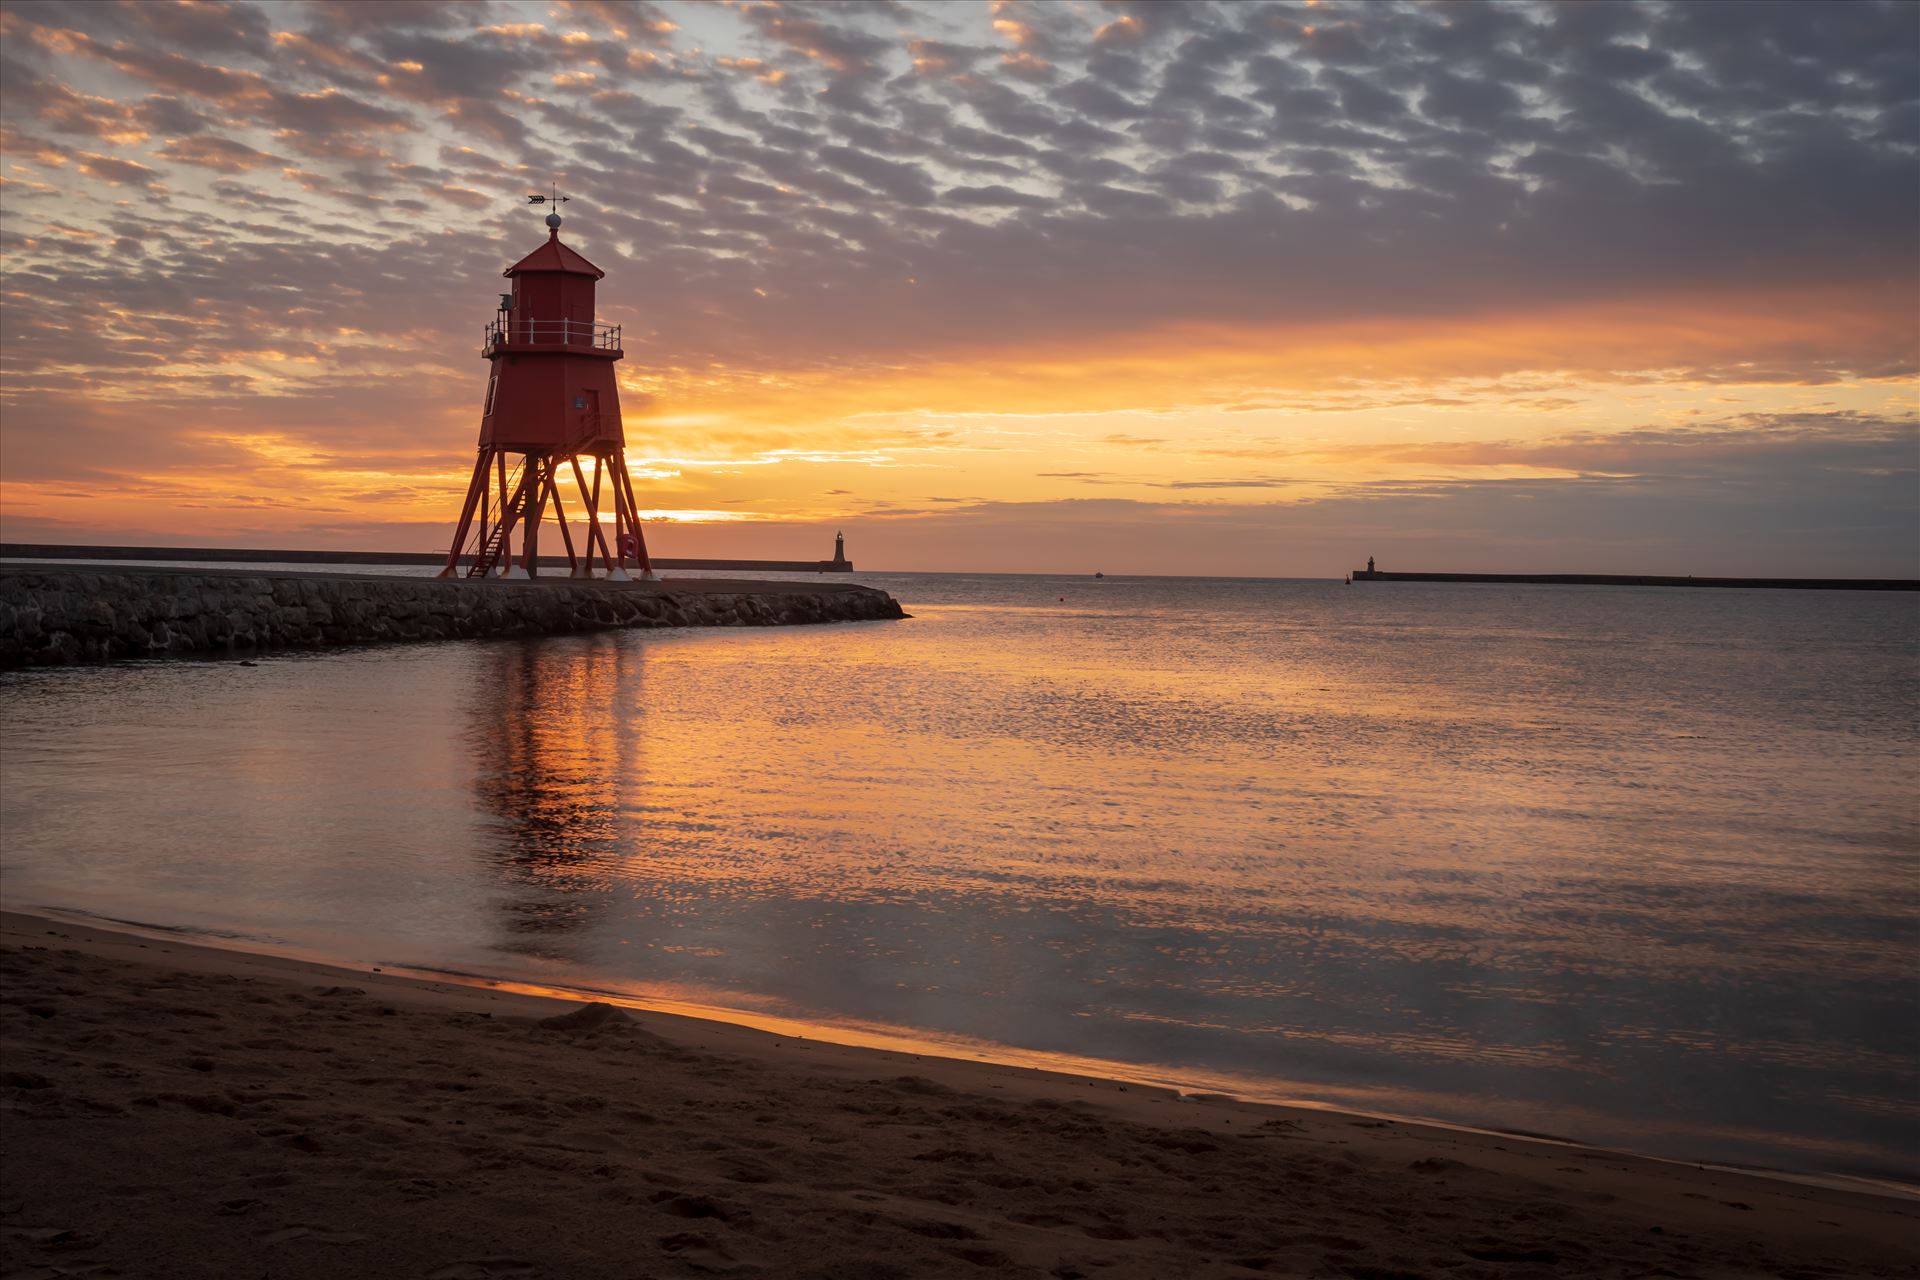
[552,404]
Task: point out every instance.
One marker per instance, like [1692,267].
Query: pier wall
[1643,580]
[73,614]
[256,555]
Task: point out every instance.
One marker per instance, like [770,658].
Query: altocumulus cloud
[227,213]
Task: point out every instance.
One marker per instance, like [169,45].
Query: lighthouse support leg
[592,502]
[621,478]
[530,556]
[512,508]
[560,518]
[593,509]
[483,524]
[500,470]
[622,521]
[475,487]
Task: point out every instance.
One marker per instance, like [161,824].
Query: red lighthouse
[552,403]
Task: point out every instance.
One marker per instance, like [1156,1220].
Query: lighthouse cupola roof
[554,256]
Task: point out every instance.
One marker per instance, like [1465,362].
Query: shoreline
[895,1042]
[255,1070]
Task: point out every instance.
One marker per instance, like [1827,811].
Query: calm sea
[1631,866]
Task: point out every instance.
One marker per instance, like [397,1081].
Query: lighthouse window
[493,384]
[579,402]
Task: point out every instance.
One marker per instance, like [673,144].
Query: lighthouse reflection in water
[1634,866]
[549,769]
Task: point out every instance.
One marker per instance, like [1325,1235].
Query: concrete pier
[256,555]
[1644,580]
[64,614]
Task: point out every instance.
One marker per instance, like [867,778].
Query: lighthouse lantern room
[552,413]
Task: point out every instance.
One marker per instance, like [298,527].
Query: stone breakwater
[65,615]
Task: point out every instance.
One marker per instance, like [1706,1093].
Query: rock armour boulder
[61,618]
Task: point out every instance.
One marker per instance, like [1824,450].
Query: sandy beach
[177,1110]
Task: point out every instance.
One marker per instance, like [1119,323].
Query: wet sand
[175,1110]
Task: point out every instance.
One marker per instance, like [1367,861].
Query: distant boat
[1099,575]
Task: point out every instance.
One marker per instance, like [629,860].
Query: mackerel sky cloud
[1253,288]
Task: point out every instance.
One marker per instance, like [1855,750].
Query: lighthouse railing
[505,332]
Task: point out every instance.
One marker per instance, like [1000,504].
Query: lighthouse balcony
[506,334]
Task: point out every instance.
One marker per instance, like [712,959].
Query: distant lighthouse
[552,403]
[839,548]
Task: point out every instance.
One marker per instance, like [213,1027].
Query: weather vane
[554,198]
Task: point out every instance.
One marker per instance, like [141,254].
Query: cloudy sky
[1252,288]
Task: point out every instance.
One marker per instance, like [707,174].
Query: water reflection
[553,752]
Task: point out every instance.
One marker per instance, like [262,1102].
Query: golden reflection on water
[553,750]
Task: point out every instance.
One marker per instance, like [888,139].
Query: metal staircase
[487,555]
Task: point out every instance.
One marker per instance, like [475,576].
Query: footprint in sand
[696,1247]
[60,1238]
[313,1235]
[483,1269]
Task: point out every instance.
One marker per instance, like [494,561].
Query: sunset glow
[1239,289]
